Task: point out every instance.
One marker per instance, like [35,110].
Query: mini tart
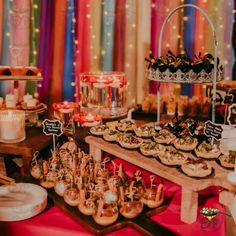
[173,157]
[128,140]
[164,137]
[228,161]
[126,125]
[145,131]
[131,209]
[196,168]
[199,129]
[99,130]
[206,150]
[111,135]
[150,148]
[186,143]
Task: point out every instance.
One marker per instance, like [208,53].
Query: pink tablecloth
[53,221]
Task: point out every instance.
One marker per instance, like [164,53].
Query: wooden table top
[218,178]
[35,140]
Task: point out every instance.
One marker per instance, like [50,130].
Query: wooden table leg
[95,152]
[26,163]
[189,205]
[226,198]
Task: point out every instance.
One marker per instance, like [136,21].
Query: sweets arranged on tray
[182,63]
[29,103]
[182,143]
[99,189]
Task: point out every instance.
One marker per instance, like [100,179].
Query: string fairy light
[76,52]
[34,31]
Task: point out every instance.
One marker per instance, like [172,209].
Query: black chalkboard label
[213,130]
[231,118]
[52,127]
[228,99]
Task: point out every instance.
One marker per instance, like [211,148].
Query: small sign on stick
[54,128]
[213,130]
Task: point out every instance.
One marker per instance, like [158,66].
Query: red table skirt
[54,221]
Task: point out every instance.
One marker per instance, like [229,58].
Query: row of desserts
[98,189]
[182,140]
[11,101]
[183,62]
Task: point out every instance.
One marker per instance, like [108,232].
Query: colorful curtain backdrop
[68,37]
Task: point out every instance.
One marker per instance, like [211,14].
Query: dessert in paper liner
[111,135]
[128,140]
[196,168]
[186,143]
[99,130]
[173,157]
[126,125]
[145,131]
[164,137]
[206,150]
[150,148]
[228,160]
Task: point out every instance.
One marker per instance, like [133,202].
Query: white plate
[21,201]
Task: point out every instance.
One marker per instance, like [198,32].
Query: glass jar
[104,93]
[12,126]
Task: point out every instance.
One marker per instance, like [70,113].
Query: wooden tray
[142,223]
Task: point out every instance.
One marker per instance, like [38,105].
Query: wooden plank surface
[35,140]
[20,77]
[219,177]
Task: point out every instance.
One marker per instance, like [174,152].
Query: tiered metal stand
[191,76]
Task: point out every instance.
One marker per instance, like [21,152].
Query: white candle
[27,97]
[10,96]
[10,103]
[12,126]
[10,100]
[90,117]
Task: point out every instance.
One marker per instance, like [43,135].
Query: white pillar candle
[12,126]
[10,96]
[10,103]
[10,100]
[27,97]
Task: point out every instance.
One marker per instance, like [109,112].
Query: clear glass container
[106,214]
[104,93]
[71,196]
[131,209]
[12,126]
